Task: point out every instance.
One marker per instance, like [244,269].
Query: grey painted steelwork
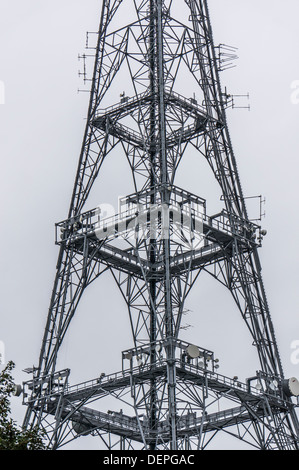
[156,247]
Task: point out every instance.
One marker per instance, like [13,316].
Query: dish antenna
[193,351]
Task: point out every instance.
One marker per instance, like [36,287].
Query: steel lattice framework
[156,247]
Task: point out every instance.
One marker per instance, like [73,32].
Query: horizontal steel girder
[213,235]
[126,426]
[108,120]
[72,399]
[233,389]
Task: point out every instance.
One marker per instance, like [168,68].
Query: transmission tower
[168,393]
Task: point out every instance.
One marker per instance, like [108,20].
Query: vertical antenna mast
[156,247]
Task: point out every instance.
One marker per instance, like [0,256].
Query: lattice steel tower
[168,393]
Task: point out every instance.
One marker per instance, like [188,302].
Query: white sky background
[41,130]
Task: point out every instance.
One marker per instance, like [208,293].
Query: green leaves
[11,436]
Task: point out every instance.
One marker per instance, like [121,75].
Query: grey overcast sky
[41,129]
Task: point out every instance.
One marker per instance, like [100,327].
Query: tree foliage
[11,436]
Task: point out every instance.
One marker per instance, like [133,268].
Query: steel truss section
[156,246]
[255,412]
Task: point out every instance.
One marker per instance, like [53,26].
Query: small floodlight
[258,386]
[17,390]
[128,356]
